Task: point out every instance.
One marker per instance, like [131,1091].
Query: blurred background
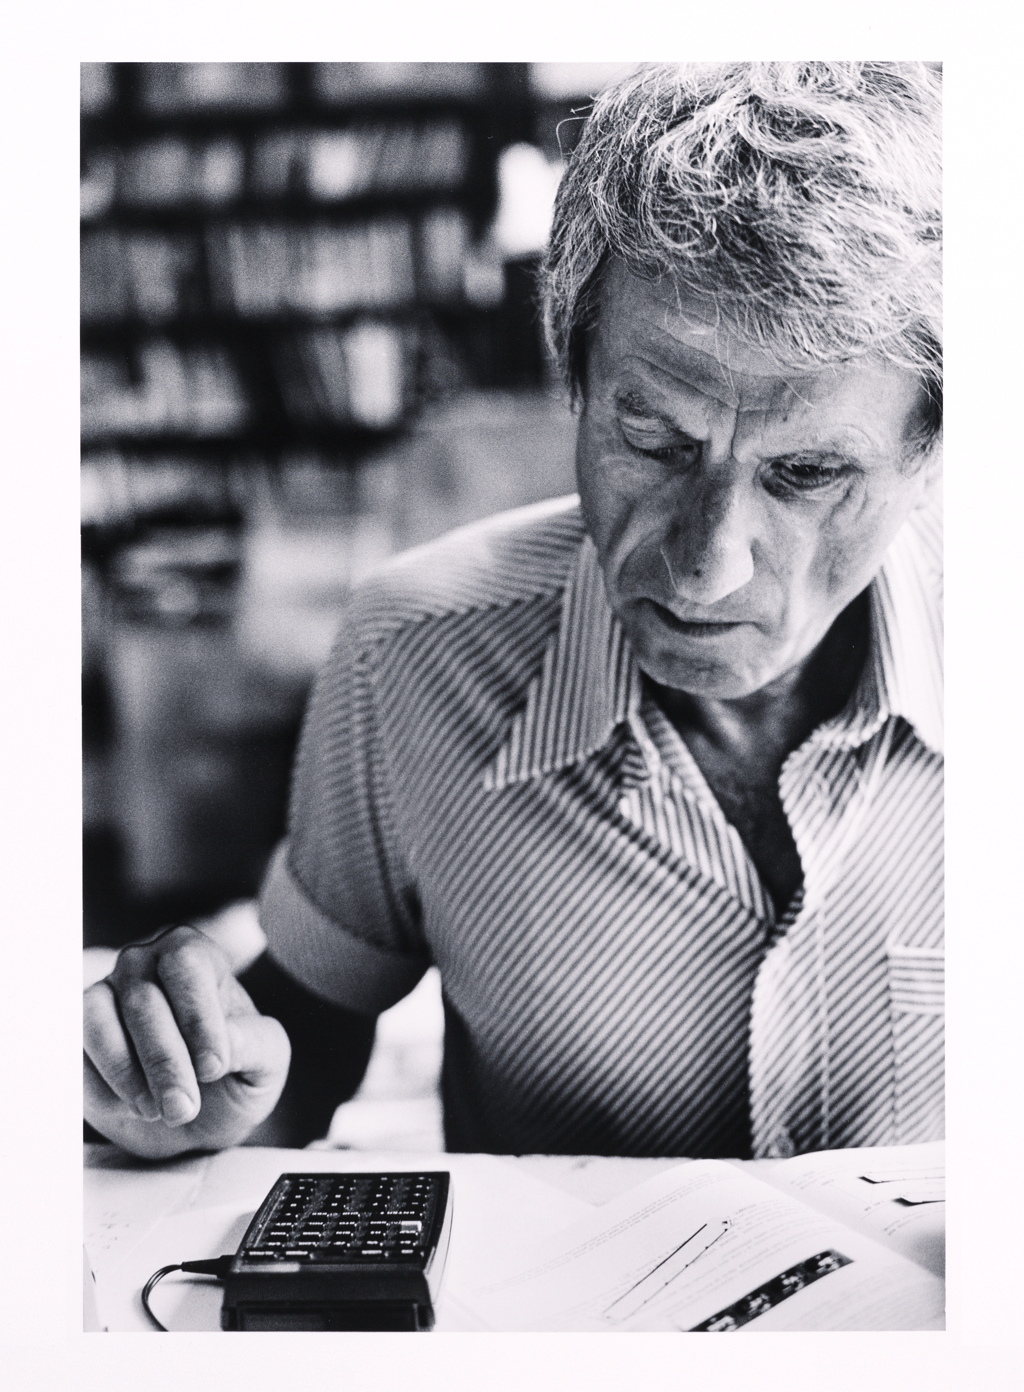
[310,339]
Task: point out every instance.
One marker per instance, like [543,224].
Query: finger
[101,1101]
[99,1095]
[108,1114]
[161,1050]
[192,974]
[110,1052]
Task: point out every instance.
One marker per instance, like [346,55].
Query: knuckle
[183,954]
[186,979]
[135,996]
[95,1035]
[196,1021]
[190,943]
[197,1029]
[137,959]
[184,933]
[159,1063]
[96,997]
[122,1077]
[131,961]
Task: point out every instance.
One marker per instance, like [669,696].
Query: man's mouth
[694,628]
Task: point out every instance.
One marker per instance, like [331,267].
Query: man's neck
[740,746]
[777,719]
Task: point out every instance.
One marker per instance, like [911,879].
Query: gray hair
[802,199]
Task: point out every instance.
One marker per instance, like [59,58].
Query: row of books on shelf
[266,269]
[170,89]
[163,389]
[119,490]
[363,375]
[364,159]
[123,490]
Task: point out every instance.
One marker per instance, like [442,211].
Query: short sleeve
[338,905]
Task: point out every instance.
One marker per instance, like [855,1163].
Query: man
[654,776]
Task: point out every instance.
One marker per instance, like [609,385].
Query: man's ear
[932,466]
[929,474]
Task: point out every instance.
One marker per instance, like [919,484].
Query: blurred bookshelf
[309,339]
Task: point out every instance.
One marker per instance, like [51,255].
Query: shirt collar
[903,673]
[587,685]
[589,682]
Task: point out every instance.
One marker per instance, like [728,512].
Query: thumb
[260,1050]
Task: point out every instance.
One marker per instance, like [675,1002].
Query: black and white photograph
[513,750]
[475,718]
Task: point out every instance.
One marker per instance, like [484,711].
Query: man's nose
[708,552]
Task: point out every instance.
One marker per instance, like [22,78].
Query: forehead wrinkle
[707,376]
[715,363]
[774,422]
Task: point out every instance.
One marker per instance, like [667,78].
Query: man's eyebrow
[822,451]
[632,399]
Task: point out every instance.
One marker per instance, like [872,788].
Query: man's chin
[712,685]
[716,676]
[721,661]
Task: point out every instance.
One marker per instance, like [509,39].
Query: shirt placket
[790,1034]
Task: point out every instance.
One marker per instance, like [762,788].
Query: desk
[142,1215]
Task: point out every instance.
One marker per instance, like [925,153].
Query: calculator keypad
[347,1218]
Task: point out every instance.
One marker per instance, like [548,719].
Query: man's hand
[177,1057]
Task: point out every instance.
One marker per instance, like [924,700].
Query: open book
[841,1240]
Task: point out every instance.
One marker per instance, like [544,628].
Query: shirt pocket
[917,1013]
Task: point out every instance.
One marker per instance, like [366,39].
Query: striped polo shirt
[484,783]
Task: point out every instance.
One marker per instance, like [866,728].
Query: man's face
[737,506]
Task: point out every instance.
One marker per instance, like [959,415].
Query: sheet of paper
[905,1174]
[123,1200]
[900,1205]
[704,1245]
[201,1208]
[182,1303]
[921,1193]
[596,1178]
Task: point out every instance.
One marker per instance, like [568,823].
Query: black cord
[147,1290]
[214,1266]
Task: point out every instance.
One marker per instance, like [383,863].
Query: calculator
[342,1251]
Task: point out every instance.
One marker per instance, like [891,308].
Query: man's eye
[651,438]
[810,475]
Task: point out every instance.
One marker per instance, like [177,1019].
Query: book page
[703,1247]
[894,1194]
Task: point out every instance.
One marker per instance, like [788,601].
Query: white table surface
[142,1215]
